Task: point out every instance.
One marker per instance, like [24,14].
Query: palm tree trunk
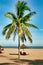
[18,47]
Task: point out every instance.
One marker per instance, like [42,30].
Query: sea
[29,47]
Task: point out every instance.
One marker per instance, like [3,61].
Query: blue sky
[9,6]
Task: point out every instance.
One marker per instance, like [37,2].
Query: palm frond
[20,31]
[15,32]
[23,38]
[31,25]
[10,31]
[27,33]
[11,15]
[21,7]
[6,28]
[28,16]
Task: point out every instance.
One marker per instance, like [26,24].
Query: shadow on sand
[2,56]
[12,54]
[8,64]
[16,54]
[24,62]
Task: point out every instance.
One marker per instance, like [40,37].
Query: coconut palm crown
[20,22]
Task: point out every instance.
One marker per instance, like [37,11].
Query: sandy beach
[10,57]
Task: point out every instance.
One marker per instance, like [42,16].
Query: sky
[10,6]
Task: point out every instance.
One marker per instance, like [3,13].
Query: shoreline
[28,47]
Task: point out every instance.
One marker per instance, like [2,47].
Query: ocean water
[30,47]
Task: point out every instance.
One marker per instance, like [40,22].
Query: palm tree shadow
[8,64]
[23,61]
[2,56]
[33,62]
[17,54]
[12,54]
[29,62]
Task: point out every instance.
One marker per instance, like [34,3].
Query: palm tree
[19,24]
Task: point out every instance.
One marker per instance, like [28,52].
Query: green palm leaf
[31,25]
[11,29]
[15,32]
[23,38]
[27,33]
[6,28]
[21,7]
[28,16]
[11,15]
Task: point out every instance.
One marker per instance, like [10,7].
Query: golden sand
[10,57]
